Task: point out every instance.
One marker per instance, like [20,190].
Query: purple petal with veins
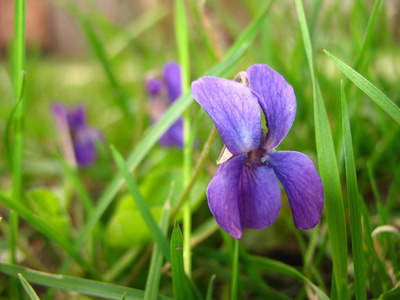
[234,110]
[277,100]
[302,184]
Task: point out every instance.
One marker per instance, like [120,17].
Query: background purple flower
[78,140]
[163,92]
[245,191]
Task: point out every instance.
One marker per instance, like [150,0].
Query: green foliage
[49,207]
[121,233]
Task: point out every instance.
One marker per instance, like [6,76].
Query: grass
[111,230]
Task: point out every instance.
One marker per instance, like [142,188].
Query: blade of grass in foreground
[368,88]
[354,205]
[84,286]
[210,288]
[27,287]
[180,284]
[153,278]
[329,172]
[142,205]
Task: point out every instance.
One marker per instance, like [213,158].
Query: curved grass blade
[334,208]
[368,88]
[142,205]
[354,205]
[182,290]
[27,287]
[210,288]
[84,286]
[279,267]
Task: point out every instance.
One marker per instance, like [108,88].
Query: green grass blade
[181,33]
[142,205]
[84,286]
[368,88]
[19,58]
[354,205]
[393,294]
[279,267]
[98,49]
[329,172]
[180,284]
[121,42]
[210,288]
[28,289]
[153,278]
[248,35]
[368,34]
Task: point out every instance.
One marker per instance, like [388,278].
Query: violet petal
[260,196]
[154,86]
[277,100]
[303,186]
[223,195]
[234,110]
[173,80]
[174,135]
[85,145]
[77,117]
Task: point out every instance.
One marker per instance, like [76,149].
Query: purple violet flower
[245,191]
[77,139]
[163,92]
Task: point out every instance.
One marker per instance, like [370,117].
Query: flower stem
[235,271]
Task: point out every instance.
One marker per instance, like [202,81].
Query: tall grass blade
[368,34]
[153,278]
[354,205]
[142,205]
[27,287]
[182,290]
[80,285]
[329,172]
[19,58]
[368,88]
[100,53]
[181,34]
[210,288]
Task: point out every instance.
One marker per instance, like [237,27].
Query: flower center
[258,156]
